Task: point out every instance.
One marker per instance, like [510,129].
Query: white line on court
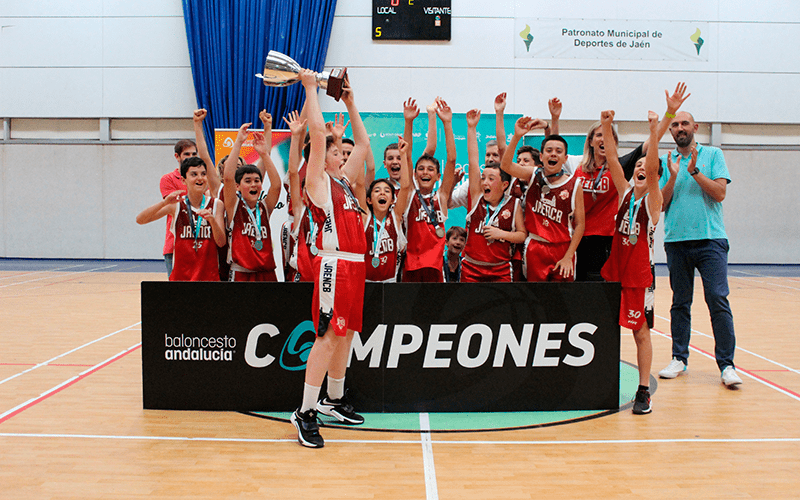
[414,442]
[37,272]
[742,349]
[45,363]
[743,372]
[431,489]
[59,276]
[754,280]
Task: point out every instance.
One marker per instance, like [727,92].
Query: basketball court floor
[72,423]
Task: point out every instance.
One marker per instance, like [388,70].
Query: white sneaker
[730,377]
[673,369]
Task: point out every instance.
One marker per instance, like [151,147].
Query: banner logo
[527,37]
[698,42]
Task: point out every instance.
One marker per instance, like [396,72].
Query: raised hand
[410,110]
[266,119]
[241,136]
[295,125]
[260,144]
[555,106]
[675,100]
[607,116]
[524,125]
[672,167]
[309,79]
[402,145]
[348,98]
[443,111]
[652,119]
[500,103]
[473,117]
[199,115]
[431,108]
[692,161]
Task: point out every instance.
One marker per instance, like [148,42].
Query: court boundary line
[45,363]
[67,383]
[47,277]
[431,487]
[414,442]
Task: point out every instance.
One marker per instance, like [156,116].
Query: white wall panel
[148,92]
[51,92]
[759,98]
[145,41]
[142,8]
[759,48]
[51,42]
[52,8]
[65,219]
[780,11]
[621,9]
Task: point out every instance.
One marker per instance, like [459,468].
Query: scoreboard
[411,19]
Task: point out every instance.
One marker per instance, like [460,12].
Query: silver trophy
[281,70]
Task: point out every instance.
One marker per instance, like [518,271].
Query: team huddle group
[532,216]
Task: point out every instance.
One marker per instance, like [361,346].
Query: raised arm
[410,113]
[614,166]
[161,209]
[448,176]
[202,150]
[499,124]
[555,106]
[474,175]
[336,129]
[315,170]
[674,103]
[523,125]
[354,167]
[298,129]
[274,191]
[430,144]
[651,161]
[266,120]
[229,172]
[406,186]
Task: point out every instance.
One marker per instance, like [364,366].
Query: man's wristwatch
[696,171]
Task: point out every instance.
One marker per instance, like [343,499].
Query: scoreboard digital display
[411,19]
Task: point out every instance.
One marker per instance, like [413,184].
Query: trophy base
[336,82]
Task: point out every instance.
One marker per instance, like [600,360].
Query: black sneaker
[307,428]
[642,403]
[340,409]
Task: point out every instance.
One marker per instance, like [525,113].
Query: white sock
[310,397]
[335,387]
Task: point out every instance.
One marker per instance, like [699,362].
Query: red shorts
[541,258]
[473,273]
[423,275]
[338,300]
[631,308]
[254,276]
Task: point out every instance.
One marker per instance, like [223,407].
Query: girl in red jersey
[197,225]
[426,213]
[385,238]
[553,207]
[639,208]
[248,211]
[339,271]
[494,221]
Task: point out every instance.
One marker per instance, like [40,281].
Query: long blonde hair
[588,150]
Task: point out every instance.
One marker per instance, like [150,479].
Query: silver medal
[440,231]
[314,249]
[258,245]
[633,239]
[545,189]
[594,196]
[376,262]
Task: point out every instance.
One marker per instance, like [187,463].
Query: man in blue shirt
[693,187]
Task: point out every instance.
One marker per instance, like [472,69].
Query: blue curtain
[228,43]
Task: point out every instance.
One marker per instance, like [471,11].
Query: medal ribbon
[377,233]
[196,221]
[490,216]
[255,219]
[432,215]
[632,214]
[349,192]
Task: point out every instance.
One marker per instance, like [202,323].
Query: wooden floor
[72,424]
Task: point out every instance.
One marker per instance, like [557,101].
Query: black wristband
[696,171]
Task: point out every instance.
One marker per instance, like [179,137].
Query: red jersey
[195,259]
[341,227]
[247,251]
[169,183]
[302,259]
[425,249]
[600,199]
[549,207]
[630,263]
[391,243]
[477,249]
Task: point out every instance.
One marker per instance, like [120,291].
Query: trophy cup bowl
[281,70]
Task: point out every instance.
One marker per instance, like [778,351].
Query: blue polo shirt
[692,214]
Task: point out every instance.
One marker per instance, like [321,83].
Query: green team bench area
[423,347]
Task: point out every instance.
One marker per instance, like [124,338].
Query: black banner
[424,347]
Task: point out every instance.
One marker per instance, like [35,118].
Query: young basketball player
[339,271]
[494,221]
[427,211]
[385,238]
[197,225]
[248,210]
[553,207]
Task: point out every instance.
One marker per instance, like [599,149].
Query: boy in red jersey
[427,210]
[494,221]
[248,211]
[339,271]
[553,207]
[385,238]
[631,255]
[197,225]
